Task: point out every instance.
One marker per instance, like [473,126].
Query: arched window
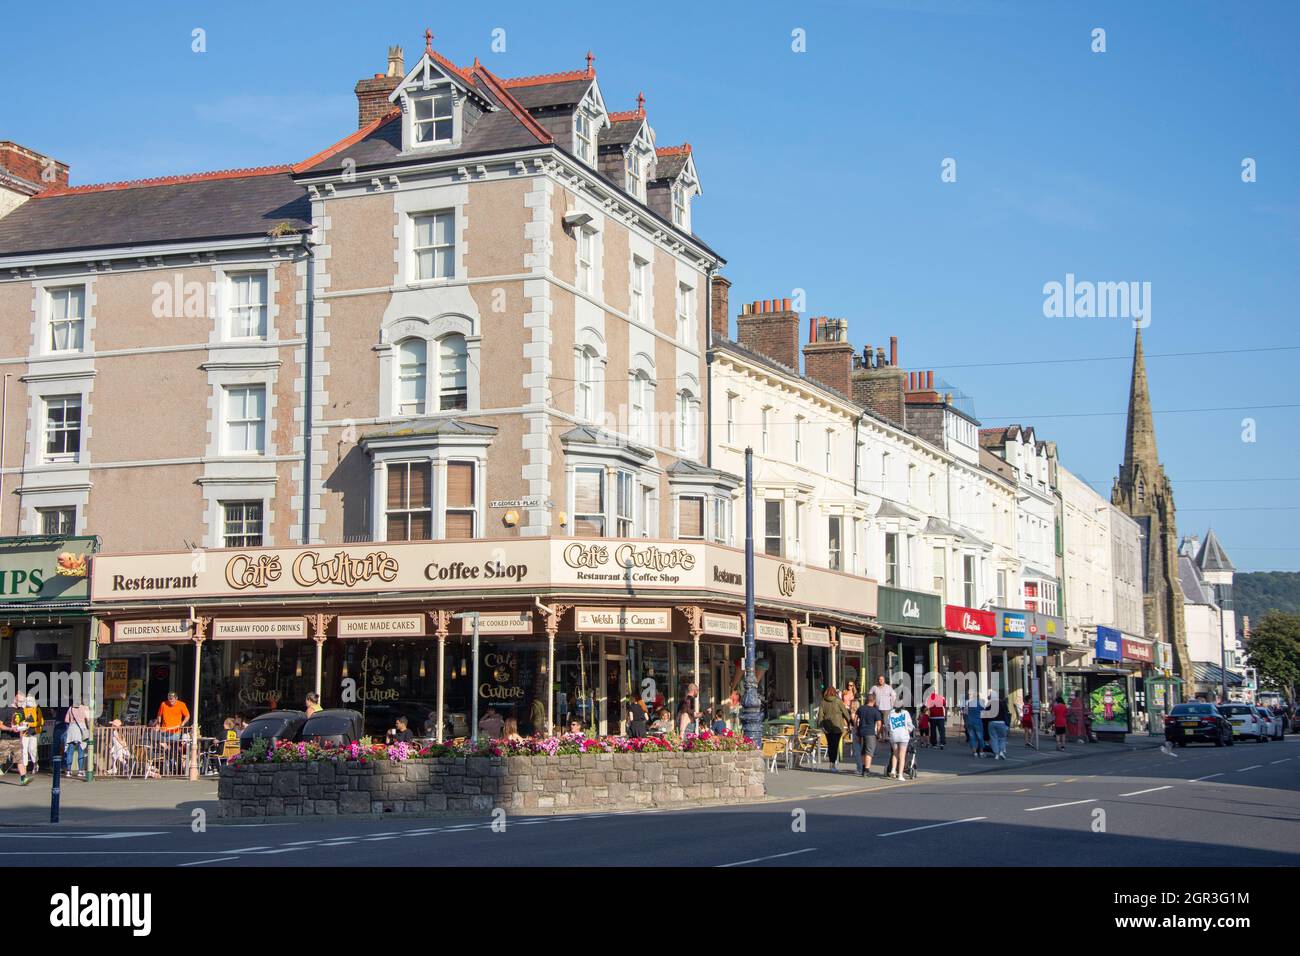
[412,376]
[452,366]
[641,411]
[586,396]
[687,420]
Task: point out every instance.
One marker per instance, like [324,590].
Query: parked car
[334,728]
[273,726]
[1245,721]
[1272,722]
[1197,723]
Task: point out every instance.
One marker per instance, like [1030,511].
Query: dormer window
[434,118]
[634,172]
[679,205]
[582,136]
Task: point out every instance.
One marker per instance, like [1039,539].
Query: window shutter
[460,524]
[397,486]
[586,493]
[420,481]
[460,486]
[690,517]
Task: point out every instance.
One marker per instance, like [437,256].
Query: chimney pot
[785,305]
[893,350]
[929,379]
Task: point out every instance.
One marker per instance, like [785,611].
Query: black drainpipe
[307,391]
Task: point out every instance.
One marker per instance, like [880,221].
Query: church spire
[1140,440]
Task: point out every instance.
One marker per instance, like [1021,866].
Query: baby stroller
[909,762]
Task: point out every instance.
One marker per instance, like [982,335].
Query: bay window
[409,511]
[589,502]
[773,533]
[690,518]
[460,511]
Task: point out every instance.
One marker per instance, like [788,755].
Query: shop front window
[386,680]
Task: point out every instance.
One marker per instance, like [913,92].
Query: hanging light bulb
[463,668]
[297,668]
[421,668]
[345,666]
[237,661]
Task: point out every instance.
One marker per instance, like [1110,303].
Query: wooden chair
[774,748]
[805,749]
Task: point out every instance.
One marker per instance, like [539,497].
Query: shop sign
[853,643]
[1049,628]
[1109,644]
[43,570]
[1137,651]
[623,620]
[1014,627]
[432,568]
[391,625]
[115,676]
[911,608]
[1164,656]
[500,622]
[815,636]
[968,620]
[162,632]
[774,631]
[723,625]
[258,629]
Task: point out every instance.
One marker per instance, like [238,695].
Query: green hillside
[1256,593]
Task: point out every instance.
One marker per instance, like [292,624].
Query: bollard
[57,740]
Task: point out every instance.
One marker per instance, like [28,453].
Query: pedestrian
[974,725]
[885,695]
[313,704]
[1000,728]
[922,726]
[1060,716]
[687,715]
[10,747]
[900,732]
[1027,723]
[867,730]
[77,720]
[28,722]
[936,706]
[638,716]
[834,721]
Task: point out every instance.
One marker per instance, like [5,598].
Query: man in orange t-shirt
[173,714]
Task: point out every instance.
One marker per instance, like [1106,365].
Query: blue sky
[821,172]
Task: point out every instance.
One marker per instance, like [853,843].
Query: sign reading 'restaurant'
[636,568]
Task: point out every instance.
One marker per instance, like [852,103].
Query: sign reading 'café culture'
[636,567]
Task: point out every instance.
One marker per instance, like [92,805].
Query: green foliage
[1256,593]
[1274,651]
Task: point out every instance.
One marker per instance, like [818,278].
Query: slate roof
[229,207]
[1208,673]
[1195,590]
[428,427]
[890,510]
[587,435]
[537,96]
[622,131]
[1212,556]
[691,469]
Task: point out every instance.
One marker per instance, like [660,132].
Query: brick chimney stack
[372,94]
[25,172]
[720,307]
[881,386]
[828,356]
[770,328]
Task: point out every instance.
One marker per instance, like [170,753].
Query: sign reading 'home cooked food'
[636,568]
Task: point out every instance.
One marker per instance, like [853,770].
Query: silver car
[1272,723]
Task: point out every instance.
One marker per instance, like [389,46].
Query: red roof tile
[681,150]
[544,78]
[344,143]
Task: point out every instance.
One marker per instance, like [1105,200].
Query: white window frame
[435,248]
[58,513]
[603,514]
[625,495]
[637,289]
[721,518]
[640,407]
[245,533]
[432,97]
[679,205]
[63,402]
[685,312]
[704,517]
[413,372]
[732,399]
[234,306]
[585,261]
[635,173]
[229,423]
[765,443]
[73,326]
[583,140]
[798,439]
[386,508]
[834,550]
[687,421]
[779,536]
[830,452]
[442,505]
[586,384]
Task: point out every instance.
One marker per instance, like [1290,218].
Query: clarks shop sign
[910,608]
[44,569]
[630,567]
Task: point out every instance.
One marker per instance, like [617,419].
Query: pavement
[1121,807]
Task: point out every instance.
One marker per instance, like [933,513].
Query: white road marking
[1053,806]
[1138,793]
[760,859]
[932,826]
[301,842]
[220,859]
[19,835]
[1209,777]
[1283,760]
[247,849]
[288,849]
[379,839]
[1254,766]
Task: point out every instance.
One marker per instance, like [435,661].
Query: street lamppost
[751,711]
[1223,595]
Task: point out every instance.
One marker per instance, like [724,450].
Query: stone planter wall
[480,784]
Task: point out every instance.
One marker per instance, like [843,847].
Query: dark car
[272,727]
[332,728]
[1199,723]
